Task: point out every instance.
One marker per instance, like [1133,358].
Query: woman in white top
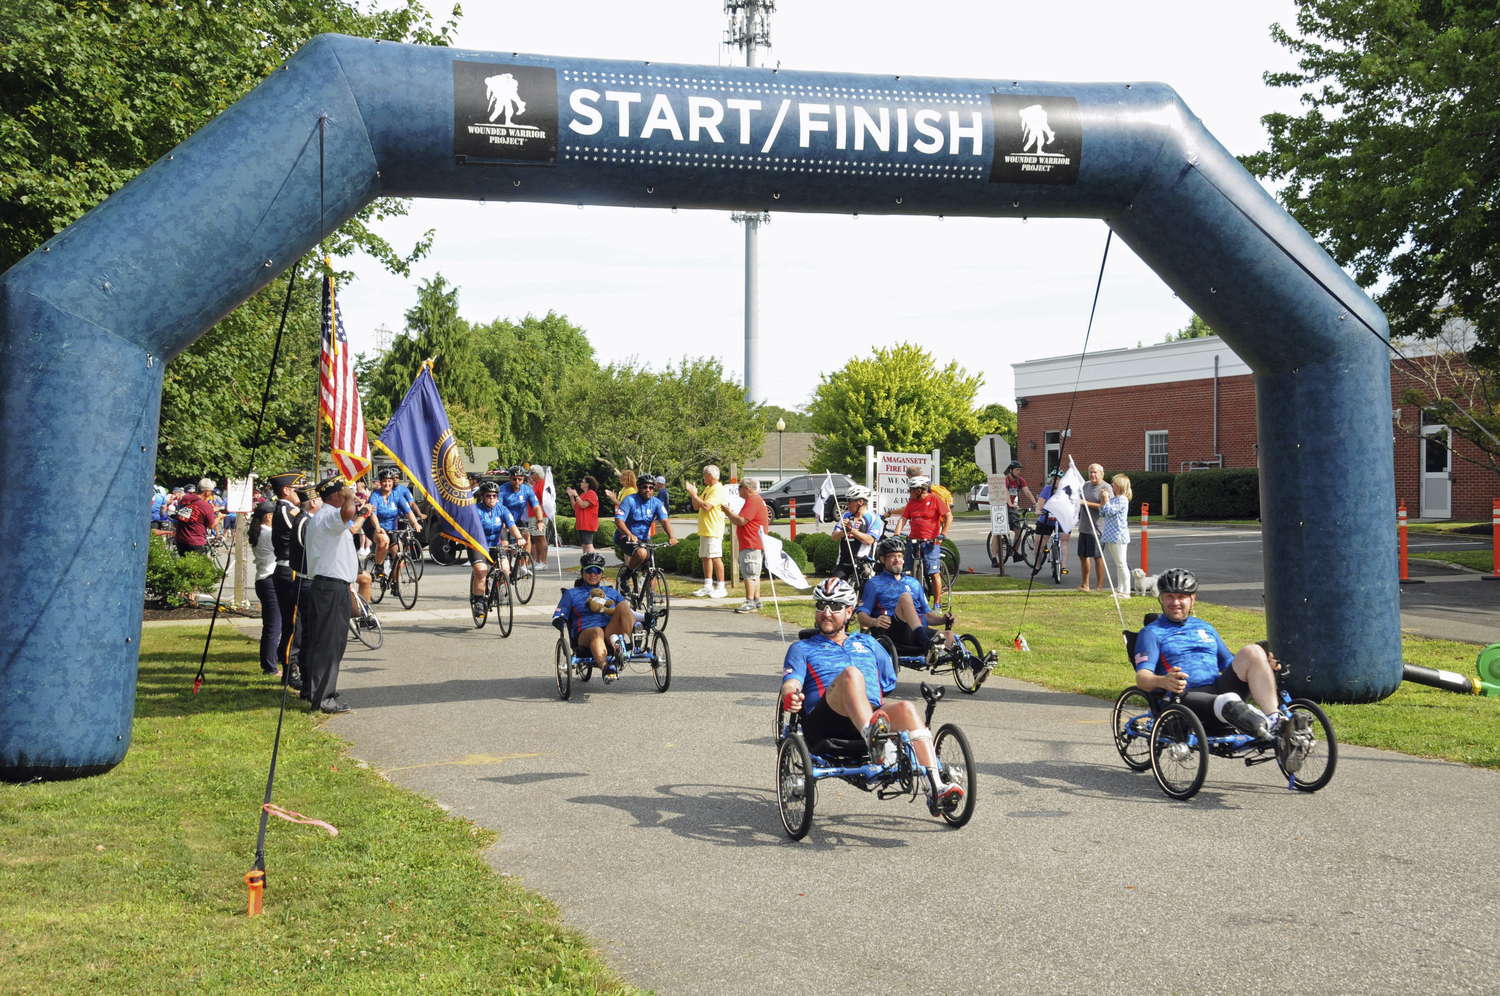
[265,588]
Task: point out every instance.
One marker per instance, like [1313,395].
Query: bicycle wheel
[956,762]
[412,550]
[949,561]
[563,670]
[656,600]
[783,722]
[661,661]
[1132,711]
[1178,755]
[220,554]
[944,602]
[378,582]
[1025,548]
[1039,555]
[1056,558]
[524,580]
[406,587]
[795,789]
[505,606]
[966,671]
[1315,748]
[368,630]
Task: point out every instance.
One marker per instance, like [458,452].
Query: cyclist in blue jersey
[519,498]
[636,519]
[895,604]
[838,682]
[1180,653]
[389,505]
[596,615]
[856,534]
[498,522]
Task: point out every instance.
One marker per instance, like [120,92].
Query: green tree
[1393,167]
[1196,328]
[796,419]
[628,416]
[959,469]
[530,362]
[897,400]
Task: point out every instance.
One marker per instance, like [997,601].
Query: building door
[1437,466]
[1054,452]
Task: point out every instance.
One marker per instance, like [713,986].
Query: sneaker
[622,648]
[757,605]
[745,606]
[477,606]
[611,673]
[719,592]
[704,592]
[880,726]
[949,798]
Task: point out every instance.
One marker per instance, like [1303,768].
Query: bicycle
[945,573]
[1026,548]
[411,544]
[400,576]
[218,550]
[522,576]
[364,625]
[497,596]
[646,587]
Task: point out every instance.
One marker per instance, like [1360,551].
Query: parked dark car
[803,488]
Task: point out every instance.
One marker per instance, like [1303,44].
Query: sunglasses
[822,605]
[592,570]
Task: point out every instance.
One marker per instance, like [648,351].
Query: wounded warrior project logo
[504,114]
[1037,139]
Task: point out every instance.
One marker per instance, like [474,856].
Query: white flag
[1066,494]
[779,564]
[549,496]
[820,508]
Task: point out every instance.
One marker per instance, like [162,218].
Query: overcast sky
[986,292]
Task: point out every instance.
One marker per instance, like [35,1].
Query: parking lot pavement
[651,819]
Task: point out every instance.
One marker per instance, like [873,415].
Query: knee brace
[923,734]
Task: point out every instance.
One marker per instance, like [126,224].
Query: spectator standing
[334,567]
[710,532]
[749,522]
[627,488]
[661,492]
[585,512]
[260,538]
[1114,532]
[538,524]
[1095,494]
[195,517]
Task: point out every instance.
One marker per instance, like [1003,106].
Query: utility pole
[749,29]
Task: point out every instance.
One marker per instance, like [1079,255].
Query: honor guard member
[332,562]
[289,570]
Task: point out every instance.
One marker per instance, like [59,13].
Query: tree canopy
[1196,328]
[897,400]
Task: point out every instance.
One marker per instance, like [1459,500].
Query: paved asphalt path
[651,820]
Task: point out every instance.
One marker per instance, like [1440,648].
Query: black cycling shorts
[475,557]
[907,639]
[825,724]
[1201,698]
[1044,527]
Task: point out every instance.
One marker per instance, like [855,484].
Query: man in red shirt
[930,519]
[195,516]
[539,522]
[748,523]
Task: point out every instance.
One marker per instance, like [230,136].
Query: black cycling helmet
[488,488]
[387,473]
[888,546]
[1013,465]
[589,560]
[645,481]
[516,471]
[1177,581]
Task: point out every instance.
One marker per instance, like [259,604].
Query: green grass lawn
[1479,560]
[1076,647]
[132,881]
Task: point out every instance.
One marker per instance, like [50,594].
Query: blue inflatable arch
[89,320]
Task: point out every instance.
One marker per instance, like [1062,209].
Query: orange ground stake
[1145,541]
[256,880]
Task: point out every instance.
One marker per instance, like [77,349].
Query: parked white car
[979,497]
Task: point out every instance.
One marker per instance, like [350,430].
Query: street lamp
[780,452]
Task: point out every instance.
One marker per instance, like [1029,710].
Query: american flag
[338,396]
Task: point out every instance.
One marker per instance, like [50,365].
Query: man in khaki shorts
[710,532]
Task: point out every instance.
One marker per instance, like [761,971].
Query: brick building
[1189,405]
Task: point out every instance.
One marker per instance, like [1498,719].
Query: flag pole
[777,603]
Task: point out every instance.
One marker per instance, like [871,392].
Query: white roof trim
[1164,363]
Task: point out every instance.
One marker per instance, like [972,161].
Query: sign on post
[890,478]
[239,497]
[992,453]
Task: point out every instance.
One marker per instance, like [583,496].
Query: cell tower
[750,29]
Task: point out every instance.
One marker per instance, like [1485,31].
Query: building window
[1054,452]
[1156,451]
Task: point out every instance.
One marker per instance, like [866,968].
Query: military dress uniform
[290,580]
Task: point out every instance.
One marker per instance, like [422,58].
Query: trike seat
[849,750]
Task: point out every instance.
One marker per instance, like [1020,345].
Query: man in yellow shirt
[710,532]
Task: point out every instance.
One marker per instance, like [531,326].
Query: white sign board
[240,495]
[736,501]
[992,453]
[890,478]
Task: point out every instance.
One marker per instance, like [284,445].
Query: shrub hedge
[1145,486]
[1218,494]
[169,577]
[796,551]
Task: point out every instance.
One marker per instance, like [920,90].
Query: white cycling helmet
[918,482]
[858,492]
[835,590]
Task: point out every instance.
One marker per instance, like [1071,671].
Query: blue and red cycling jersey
[884,590]
[519,501]
[497,523]
[389,509]
[638,514]
[817,661]
[1193,646]
[574,607]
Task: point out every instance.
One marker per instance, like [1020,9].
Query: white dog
[1141,584]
